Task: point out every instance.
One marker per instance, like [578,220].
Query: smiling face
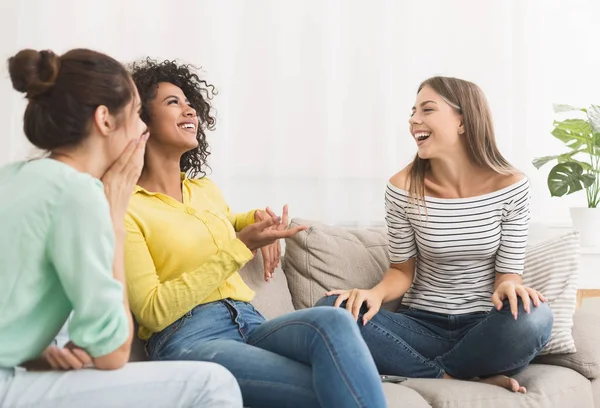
[173,122]
[435,125]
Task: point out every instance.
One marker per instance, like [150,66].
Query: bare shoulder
[402,178]
[506,180]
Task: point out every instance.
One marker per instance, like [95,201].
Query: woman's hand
[261,234]
[70,357]
[354,300]
[512,290]
[271,254]
[121,177]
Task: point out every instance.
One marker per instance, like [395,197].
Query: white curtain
[314,95]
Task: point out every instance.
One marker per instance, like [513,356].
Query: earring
[461,131]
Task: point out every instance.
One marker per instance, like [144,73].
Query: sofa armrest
[586,333]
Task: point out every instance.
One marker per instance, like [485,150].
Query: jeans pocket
[158,340]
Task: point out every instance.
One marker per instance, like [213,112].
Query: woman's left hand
[512,291]
[271,253]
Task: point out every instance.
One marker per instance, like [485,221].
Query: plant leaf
[593,115]
[564,157]
[575,133]
[584,165]
[575,126]
[567,178]
[559,108]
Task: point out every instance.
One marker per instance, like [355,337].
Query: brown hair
[468,100]
[65,91]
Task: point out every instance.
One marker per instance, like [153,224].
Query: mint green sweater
[56,257]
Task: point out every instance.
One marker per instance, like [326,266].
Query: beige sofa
[320,257]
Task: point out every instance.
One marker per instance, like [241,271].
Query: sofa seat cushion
[399,396]
[547,386]
[586,333]
[596,391]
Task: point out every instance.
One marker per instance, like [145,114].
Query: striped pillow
[552,267]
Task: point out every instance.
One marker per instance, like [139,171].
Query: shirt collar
[138,189]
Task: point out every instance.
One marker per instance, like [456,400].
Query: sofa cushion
[547,386]
[324,258]
[399,396]
[272,298]
[138,346]
[596,391]
[586,332]
[552,267]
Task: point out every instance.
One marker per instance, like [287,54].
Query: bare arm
[396,281]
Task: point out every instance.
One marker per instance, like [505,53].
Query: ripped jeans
[308,358]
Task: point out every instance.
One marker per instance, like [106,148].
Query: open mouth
[422,136]
[188,127]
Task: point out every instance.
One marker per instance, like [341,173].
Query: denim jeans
[308,358]
[420,344]
[181,384]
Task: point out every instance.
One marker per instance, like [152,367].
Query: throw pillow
[324,258]
[552,267]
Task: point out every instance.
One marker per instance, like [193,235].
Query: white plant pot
[587,222]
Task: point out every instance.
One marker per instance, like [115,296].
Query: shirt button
[189,210]
[219,242]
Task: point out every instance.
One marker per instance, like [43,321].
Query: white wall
[315,94]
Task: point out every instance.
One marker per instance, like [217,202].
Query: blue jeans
[420,344]
[308,358]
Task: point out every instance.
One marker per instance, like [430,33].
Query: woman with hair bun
[61,247]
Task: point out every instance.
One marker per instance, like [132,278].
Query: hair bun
[33,72]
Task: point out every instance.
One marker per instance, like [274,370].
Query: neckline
[463,199]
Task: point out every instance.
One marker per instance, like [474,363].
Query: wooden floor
[586,293]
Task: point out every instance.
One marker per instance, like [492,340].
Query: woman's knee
[538,322]
[219,384]
[326,301]
[219,376]
[541,319]
[334,319]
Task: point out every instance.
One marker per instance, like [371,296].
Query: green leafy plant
[578,168]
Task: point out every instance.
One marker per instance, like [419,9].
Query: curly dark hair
[148,73]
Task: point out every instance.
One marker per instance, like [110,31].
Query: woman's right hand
[122,176]
[70,357]
[260,234]
[354,300]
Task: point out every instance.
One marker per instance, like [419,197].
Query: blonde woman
[457,222]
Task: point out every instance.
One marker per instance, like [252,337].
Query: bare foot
[500,380]
[503,381]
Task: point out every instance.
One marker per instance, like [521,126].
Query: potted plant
[579,168]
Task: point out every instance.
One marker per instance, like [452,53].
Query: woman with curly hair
[62,239]
[183,258]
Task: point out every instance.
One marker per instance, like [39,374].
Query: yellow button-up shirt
[182,254]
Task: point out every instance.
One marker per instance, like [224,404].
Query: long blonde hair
[468,100]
